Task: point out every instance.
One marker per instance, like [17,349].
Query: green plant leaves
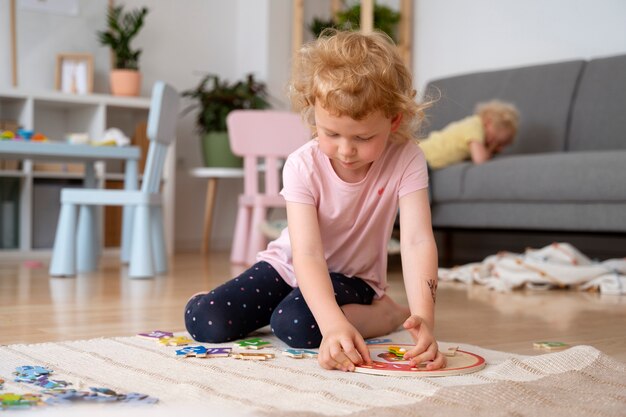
[216,98]
[121,29]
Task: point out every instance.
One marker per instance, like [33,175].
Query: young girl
[479,137]
[322,282]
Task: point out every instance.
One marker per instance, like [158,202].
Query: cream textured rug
[577,381]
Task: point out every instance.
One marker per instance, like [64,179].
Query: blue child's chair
[79,249]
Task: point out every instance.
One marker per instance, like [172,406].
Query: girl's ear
[395,122]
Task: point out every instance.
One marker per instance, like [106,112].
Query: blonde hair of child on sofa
[478,137]
[323,281]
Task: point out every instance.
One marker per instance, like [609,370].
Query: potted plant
[385,19]
[215,98]
[121,29]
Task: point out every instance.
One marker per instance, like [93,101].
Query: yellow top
[451,145]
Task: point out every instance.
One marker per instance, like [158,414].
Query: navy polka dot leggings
[259,297]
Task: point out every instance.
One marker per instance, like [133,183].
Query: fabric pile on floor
[559,265]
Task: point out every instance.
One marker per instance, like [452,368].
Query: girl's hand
[426,348]
[342,348]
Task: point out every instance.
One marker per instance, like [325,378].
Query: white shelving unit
[56,114]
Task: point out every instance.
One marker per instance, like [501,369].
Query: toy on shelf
[112,137]
[77,138]
[25,134]
[7,135]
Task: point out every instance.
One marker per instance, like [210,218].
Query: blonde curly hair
[503,114]
[354,74]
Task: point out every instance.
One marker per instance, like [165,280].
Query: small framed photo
[74,73]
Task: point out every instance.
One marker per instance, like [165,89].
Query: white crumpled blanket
[555,266]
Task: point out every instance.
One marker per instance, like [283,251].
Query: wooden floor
[37,308]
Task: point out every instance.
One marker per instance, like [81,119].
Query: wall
[180,44]
[457,36]
[231,38]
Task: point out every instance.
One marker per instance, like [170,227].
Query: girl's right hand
[342,348]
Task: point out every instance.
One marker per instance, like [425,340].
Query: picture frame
[74,73]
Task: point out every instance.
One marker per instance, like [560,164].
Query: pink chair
[260,137]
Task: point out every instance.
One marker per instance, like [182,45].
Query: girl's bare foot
[396,313]
[382,317]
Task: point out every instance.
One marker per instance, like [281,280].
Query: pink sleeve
[296,187]
[415,175]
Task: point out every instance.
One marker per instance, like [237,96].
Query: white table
[212,174]
[87,154]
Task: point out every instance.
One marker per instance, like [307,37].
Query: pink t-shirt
[355,219]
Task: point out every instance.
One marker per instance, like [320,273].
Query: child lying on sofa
[478,137]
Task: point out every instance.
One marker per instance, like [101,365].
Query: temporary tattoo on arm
[432,284]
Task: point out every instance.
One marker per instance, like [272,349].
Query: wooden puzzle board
[386,364]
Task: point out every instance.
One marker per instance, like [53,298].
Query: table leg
[89,245]
[208,214]
[130,183]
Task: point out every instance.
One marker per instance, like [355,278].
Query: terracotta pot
[125,82]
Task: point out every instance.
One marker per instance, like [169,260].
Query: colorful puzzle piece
[550,345]
[397,350]
[38,375]
[300,353]
[190,351]
[219,352]
[253,356]
[12,401]
[155,334]
[253,343]
[175,341]
[1,383]
[135,397]
[28,371]
[96,395]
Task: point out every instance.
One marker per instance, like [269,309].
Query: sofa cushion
[447,184]
[539,215]
[542,93]
[558,177]
[599,109]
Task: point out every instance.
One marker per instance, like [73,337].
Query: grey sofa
[567,168]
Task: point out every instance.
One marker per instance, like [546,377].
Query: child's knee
[208,325]
[295,330]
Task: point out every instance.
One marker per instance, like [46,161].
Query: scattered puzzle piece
[27,371]
[550,345]
[1,383]
[155,334]
[38,375]
[190,351]
[253,356]
[220,352]
[10,401]
[300,353]
[253,343]
[135,397]
[175,341]
[96,395]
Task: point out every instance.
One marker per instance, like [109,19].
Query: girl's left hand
[426,347]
